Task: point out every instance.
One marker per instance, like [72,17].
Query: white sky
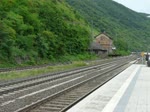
[136,5]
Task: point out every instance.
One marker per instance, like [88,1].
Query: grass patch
[35,72]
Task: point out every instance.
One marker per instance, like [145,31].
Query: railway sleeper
[53,105]
[58,103]
[50,108]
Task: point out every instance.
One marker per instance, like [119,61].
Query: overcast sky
[136,5]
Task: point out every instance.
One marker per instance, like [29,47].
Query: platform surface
[127,92]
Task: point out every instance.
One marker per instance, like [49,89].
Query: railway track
[18,96]
[20,84]
[32,67]
[45,76]
[46,65]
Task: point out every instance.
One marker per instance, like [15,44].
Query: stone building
[105,42]
[97,48]
[102,45]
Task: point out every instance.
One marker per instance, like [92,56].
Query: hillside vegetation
[130,30]
[41,31]
[36,30]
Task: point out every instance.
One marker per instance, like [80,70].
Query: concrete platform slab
[127,92]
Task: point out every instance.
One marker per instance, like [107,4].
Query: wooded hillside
[129,29]
[34,30]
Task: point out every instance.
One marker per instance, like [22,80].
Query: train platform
[127,92]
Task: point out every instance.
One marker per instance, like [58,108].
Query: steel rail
[65,86]
[34,81]
[27,108]
[11,82]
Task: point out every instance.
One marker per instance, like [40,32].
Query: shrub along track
[39,66]
[47,65]
[21,95]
